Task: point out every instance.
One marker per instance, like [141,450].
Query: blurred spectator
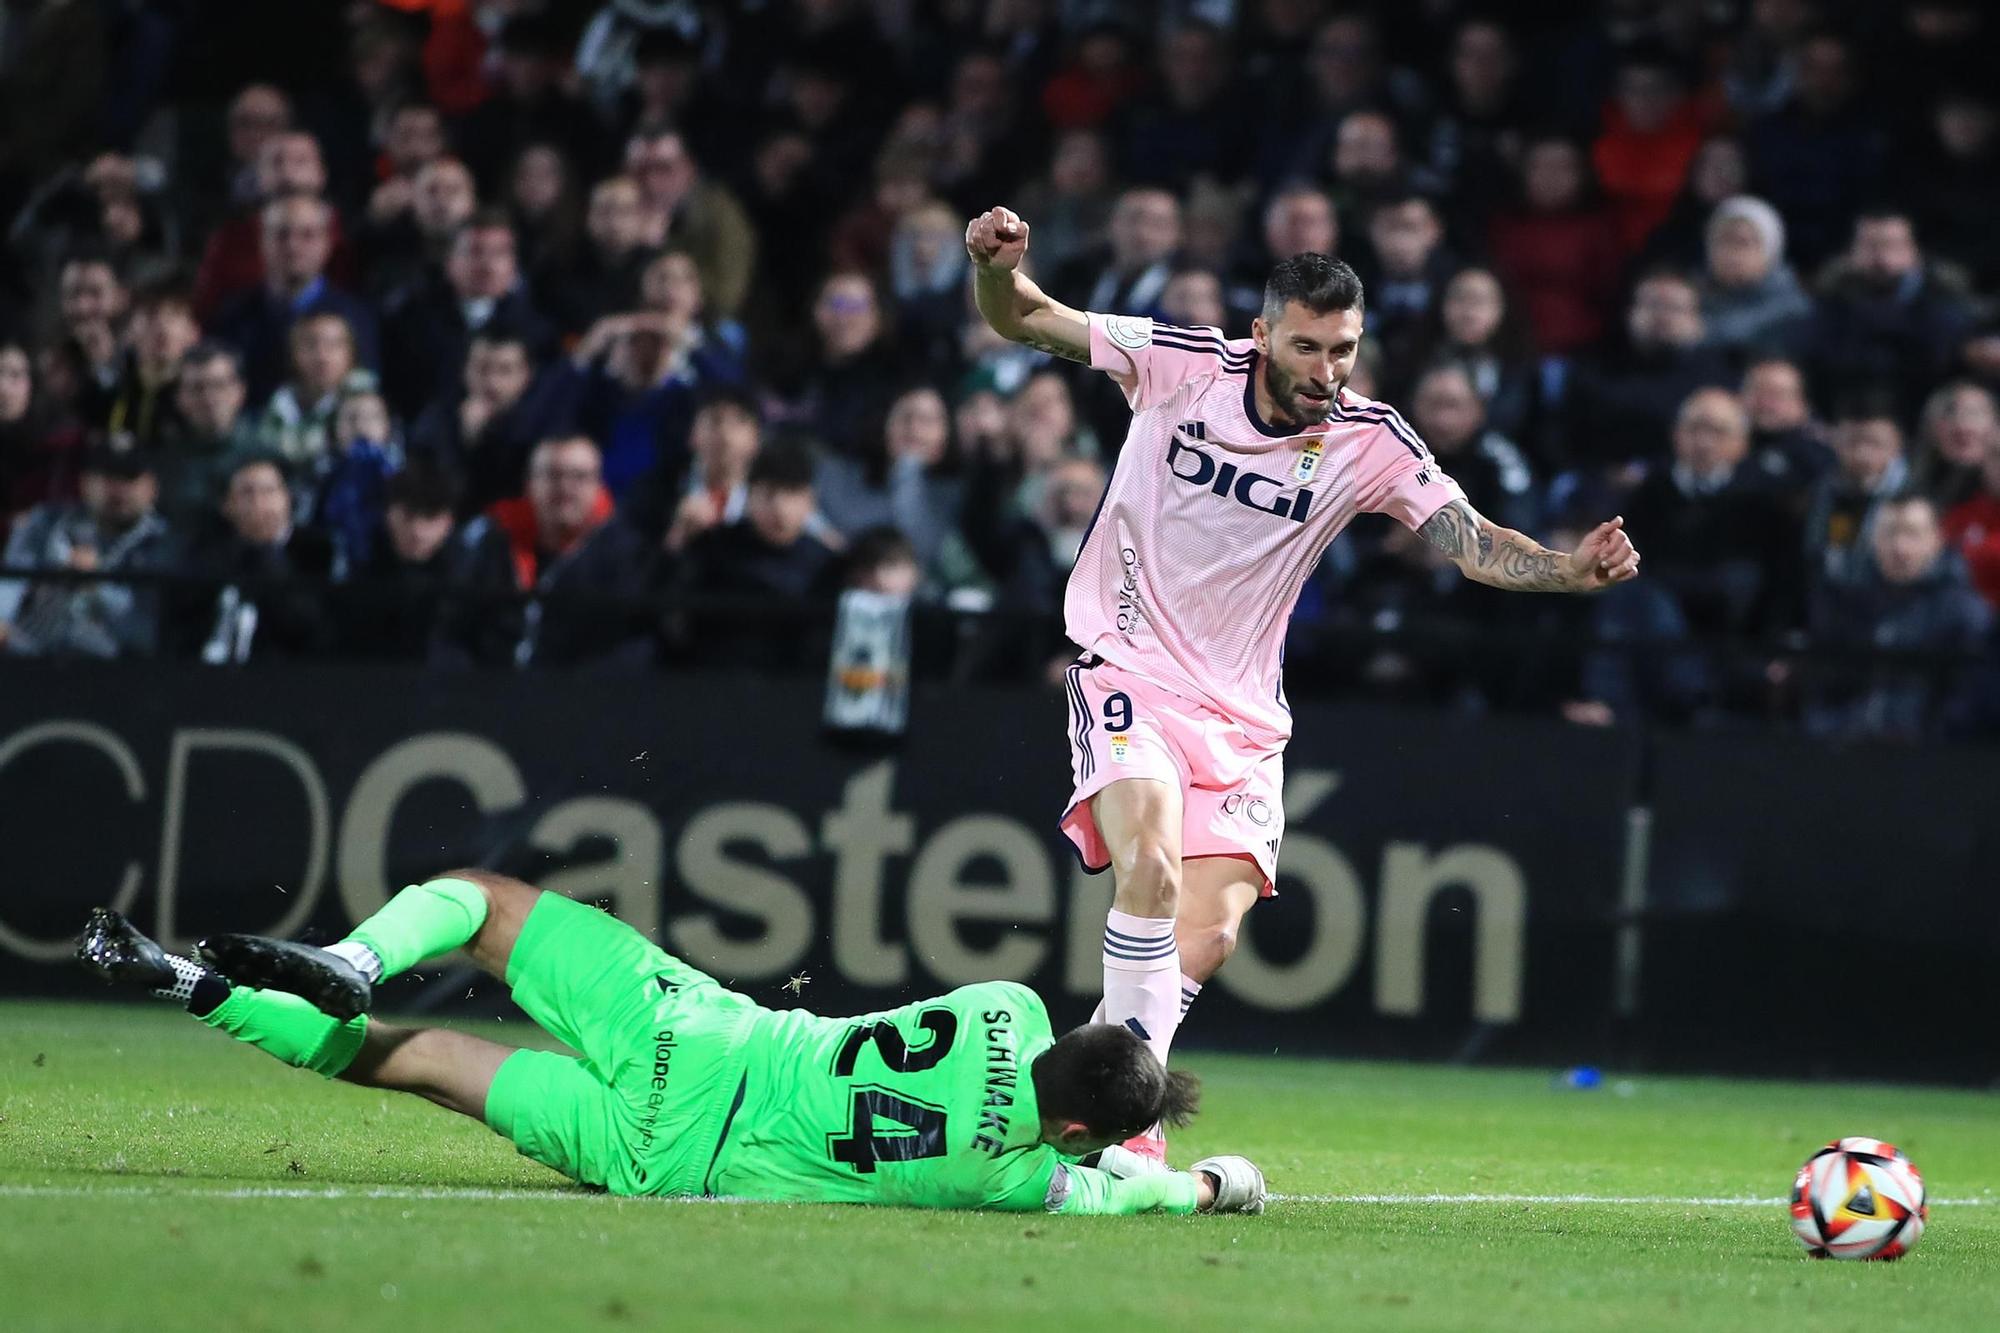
[161,330]
[1914,599]
[723,442]
[295,424]
[1750,298]
[1189,125]
[768,552]
[1408,270]
[1869,468]
[1477,133]
[400,246]
[1720,171]
[413,136]
[1817,157]
[882,560]
[92,303]
[1346,71]
[1622,403]
[529,103]
[431,324]
[1192,298]
[1954,437]
[297,240]
[1717,535]
[1787,444]
[1972,527]
[389,606]
[1129,272]
[1887,316]
[1028,553]
[1651,131]
[113,528]
[641,373]
[847,380]
[860,239]
[561,544]
[1366,165]
[345,487]
[1298,219]
[38,448]
[1451,417]
[209,429]
[1100,76]
[684,209]
[1072,204]
[483,434]
[272,571]
[670,87]
[602,276]
[257,114]
[1952,182]
[542,200]
[288,163]
[1476,327]
[1558,250]
[904,482]
[988,137]
[928,272]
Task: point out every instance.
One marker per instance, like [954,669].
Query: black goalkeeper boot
[114,951]
[333,985]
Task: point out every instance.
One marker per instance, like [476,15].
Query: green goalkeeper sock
[289,1028]
[420,922]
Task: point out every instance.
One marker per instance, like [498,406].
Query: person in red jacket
[1652,130]
[1973,528]
[1558,251]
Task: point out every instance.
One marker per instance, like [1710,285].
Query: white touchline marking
[1608,1200]
[451,1193]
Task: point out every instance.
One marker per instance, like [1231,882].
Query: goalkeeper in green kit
[684,1087]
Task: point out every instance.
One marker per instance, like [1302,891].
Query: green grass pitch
[155,1175]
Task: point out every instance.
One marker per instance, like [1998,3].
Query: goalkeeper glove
[1239,1185]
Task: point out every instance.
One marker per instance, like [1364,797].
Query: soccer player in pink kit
[1245,458]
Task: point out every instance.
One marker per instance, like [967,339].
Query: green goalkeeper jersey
[930,1105]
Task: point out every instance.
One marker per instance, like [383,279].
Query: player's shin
[1142,977]
[289,1029]
[420,922]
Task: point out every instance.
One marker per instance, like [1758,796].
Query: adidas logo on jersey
[1197,468]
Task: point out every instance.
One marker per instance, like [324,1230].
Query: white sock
[1142,977]
[361,956]
[1190,991]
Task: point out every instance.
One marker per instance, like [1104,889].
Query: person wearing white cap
[1750,298]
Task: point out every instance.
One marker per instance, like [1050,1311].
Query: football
[1858,1198]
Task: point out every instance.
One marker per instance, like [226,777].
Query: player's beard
[1292,410]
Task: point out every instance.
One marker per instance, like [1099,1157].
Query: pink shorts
[1122,726]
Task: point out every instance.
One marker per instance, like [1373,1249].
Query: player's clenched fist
[997,238]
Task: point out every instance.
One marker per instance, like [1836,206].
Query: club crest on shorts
[1130,332]
[1121,745]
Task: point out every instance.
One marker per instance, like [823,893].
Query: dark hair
[487,218]
[1320,283]
[723,394]
[1871,402]
[166,289]
[256,457]
[423,488]
[502,332]
[878,546]
[785,464]
[212,349]
[1102,1076]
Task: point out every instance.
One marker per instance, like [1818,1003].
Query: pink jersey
[1213,520]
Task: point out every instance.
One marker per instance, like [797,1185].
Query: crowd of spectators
[502,331]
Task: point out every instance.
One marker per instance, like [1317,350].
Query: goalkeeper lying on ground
[684,1087]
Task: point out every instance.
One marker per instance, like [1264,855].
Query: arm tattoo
[1064,350]
[1494,555]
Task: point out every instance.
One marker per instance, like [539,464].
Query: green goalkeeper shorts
[643,1110]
